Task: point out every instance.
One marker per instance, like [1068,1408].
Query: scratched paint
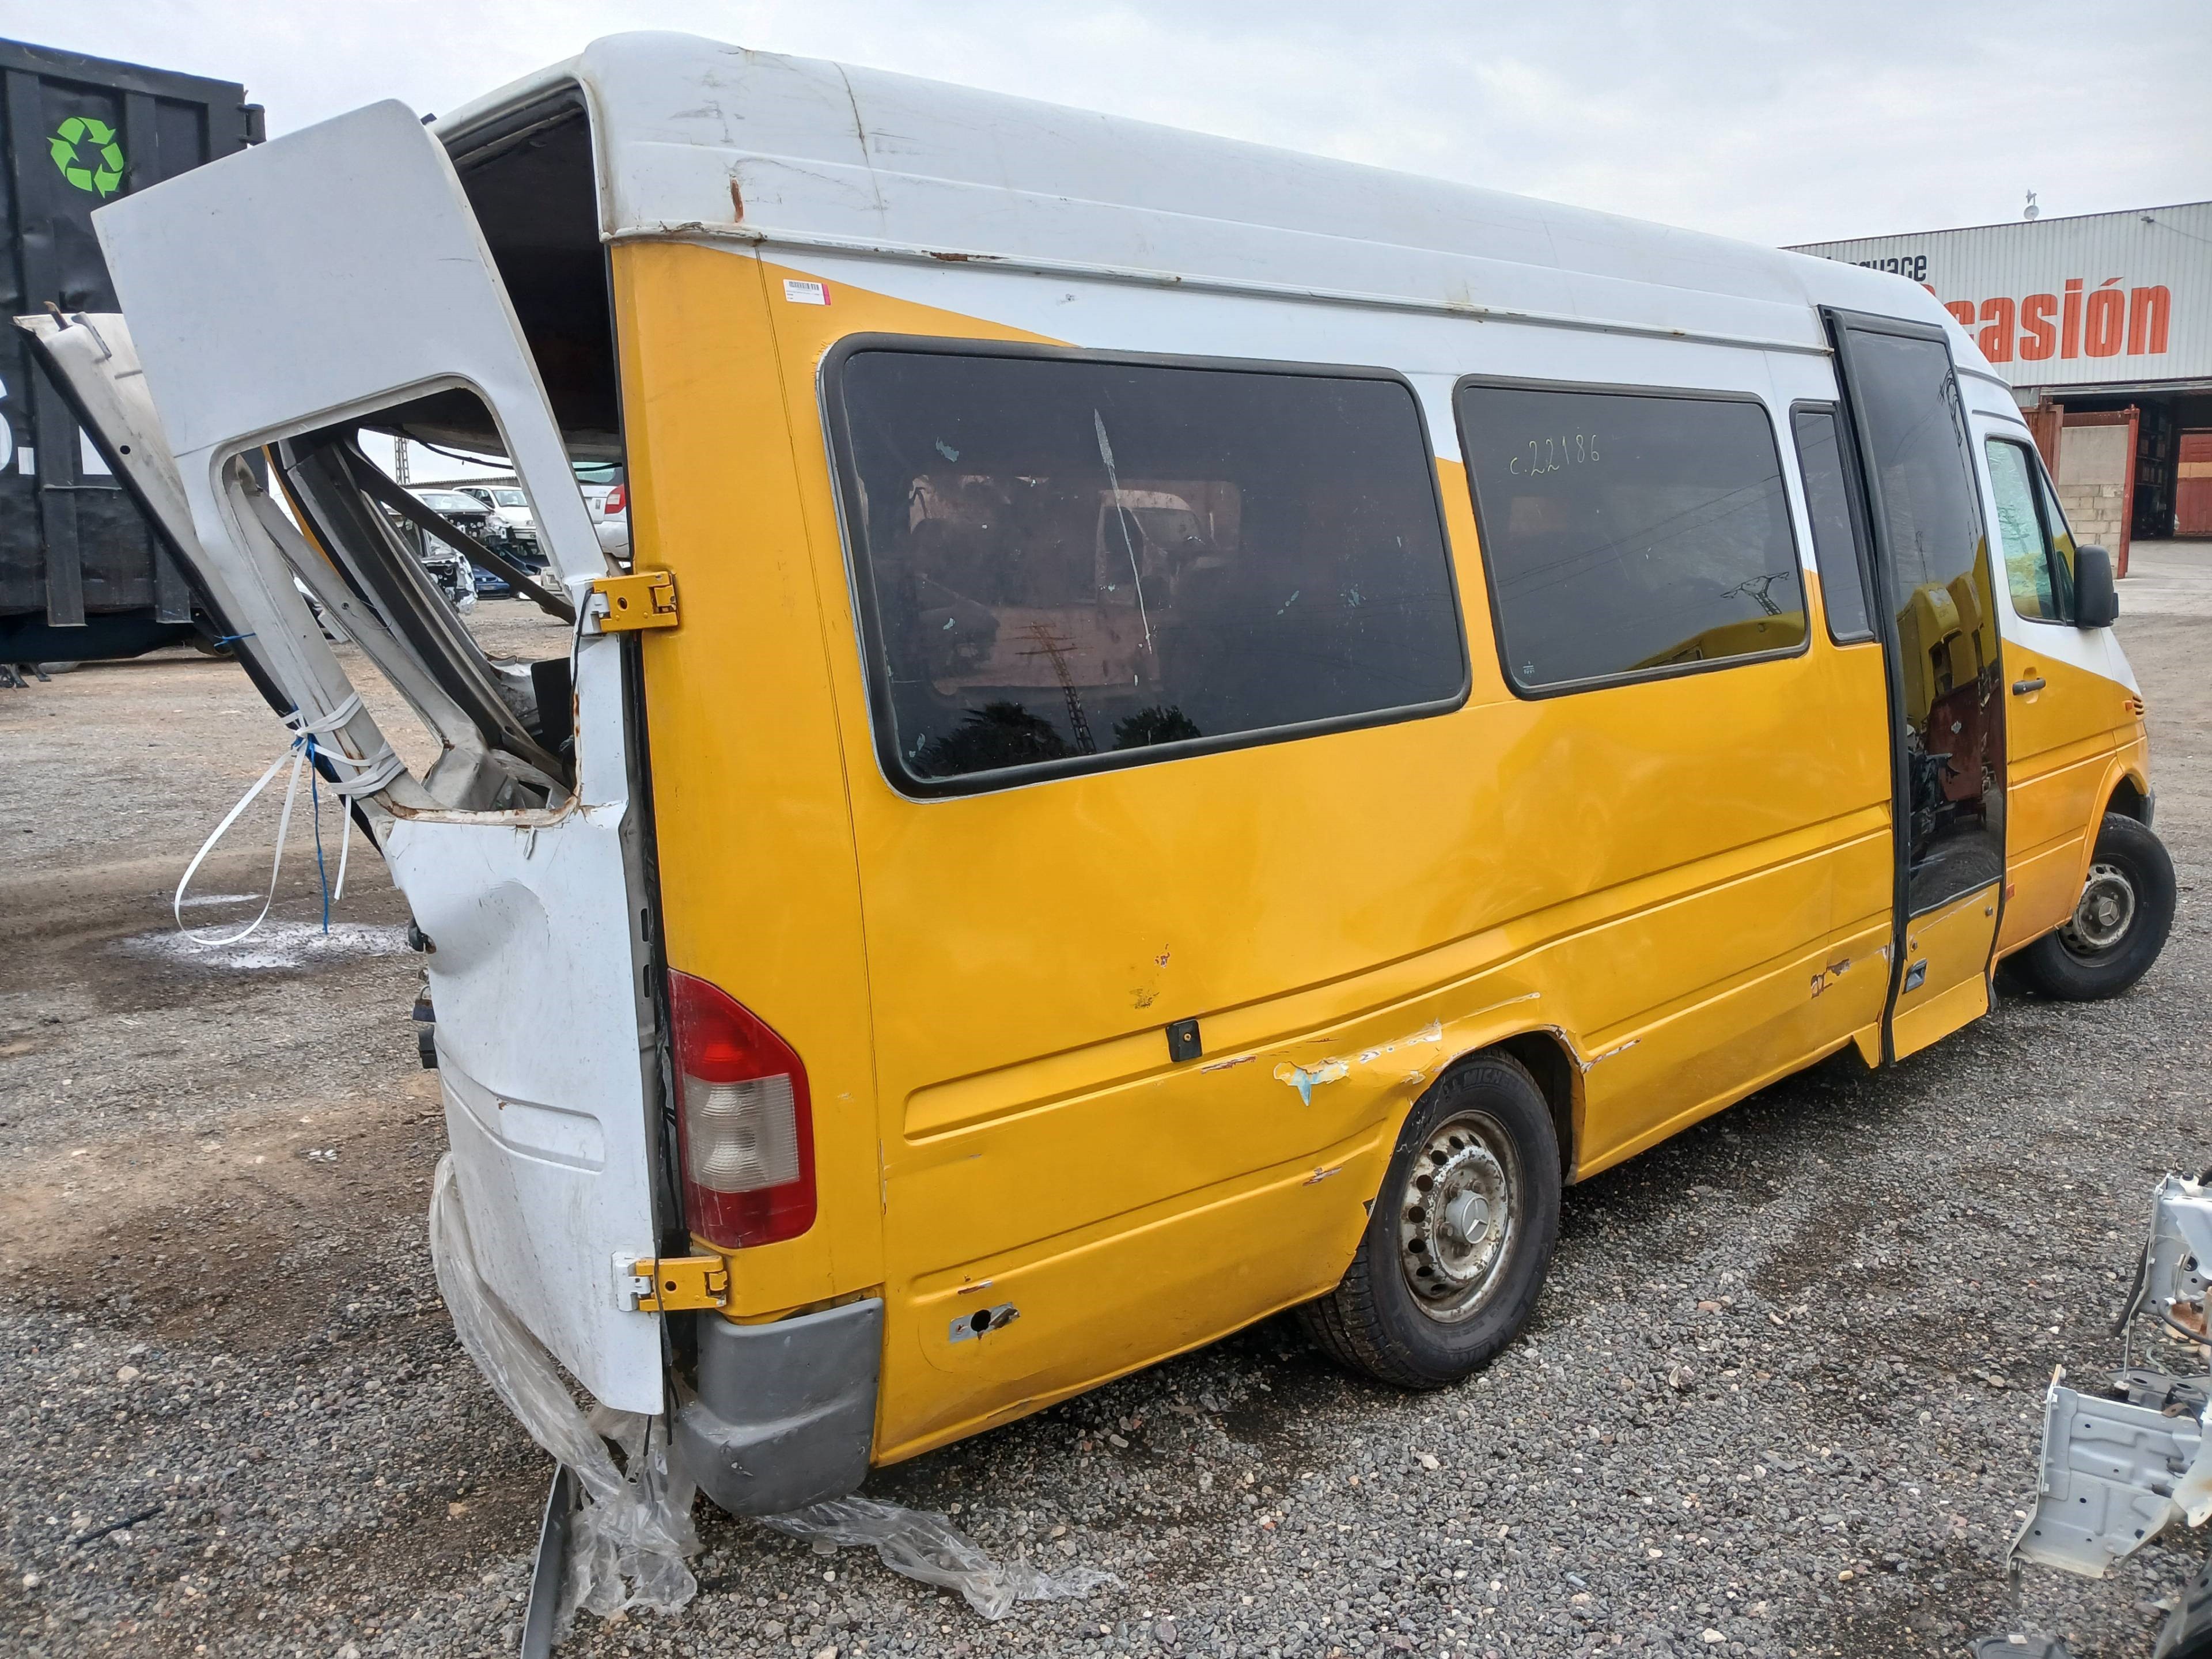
[1304,1080]
[1224,1065]
[1617,1048]
[1433,1032]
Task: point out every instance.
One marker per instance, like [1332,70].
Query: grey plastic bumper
[785,1413]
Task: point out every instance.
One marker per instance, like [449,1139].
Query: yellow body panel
[1954,940]
[1686,883]
[2068,743]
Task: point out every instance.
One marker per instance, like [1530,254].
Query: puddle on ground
[276,943]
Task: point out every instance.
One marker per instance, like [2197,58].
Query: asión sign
[89,153]
[2103,298]
[2109,320]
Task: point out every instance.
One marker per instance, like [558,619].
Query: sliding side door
[1938,618]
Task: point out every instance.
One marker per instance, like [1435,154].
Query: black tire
[2126,912]
[1375,1322]
[2187,1633]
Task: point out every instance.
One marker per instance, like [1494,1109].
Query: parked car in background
[457,576]
[511,526]
[612,520]
[510,529]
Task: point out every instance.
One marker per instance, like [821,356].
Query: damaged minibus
[1187,731]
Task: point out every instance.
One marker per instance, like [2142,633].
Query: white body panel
[325,275]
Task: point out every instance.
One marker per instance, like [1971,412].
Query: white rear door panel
[318,278]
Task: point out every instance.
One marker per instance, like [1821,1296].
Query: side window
[1939,581]
[1835,538]
[1630,533]
[2040,581]
[1061,560]
[2062,539]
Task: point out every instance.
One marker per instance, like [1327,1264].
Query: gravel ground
[1782,1395]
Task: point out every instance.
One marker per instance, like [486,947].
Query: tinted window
[2019,532]
[1917,441]
[1627,533]
[1064,558]
[1835,542]
[1927,521]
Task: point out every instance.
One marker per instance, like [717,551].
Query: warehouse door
[2193,490]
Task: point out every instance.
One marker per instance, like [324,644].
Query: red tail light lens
[617,499]
[743,1121]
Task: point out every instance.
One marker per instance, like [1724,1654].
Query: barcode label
[806,294]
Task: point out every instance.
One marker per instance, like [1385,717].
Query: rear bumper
[785,1415]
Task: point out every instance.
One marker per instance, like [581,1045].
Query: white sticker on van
[806,294]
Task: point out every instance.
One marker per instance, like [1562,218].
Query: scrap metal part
[2117,1471]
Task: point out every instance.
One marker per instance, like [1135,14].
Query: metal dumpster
[80,574]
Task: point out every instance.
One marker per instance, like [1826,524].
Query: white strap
[369,776]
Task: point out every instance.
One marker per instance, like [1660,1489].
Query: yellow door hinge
[646,599]
[671,1283]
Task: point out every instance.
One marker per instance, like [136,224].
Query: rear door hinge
[671,1283]
[644,599]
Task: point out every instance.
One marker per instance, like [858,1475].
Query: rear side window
[1628,534]
[2038,554]
[1064,562]
[1835,542]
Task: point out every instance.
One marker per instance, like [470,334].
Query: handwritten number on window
[1554,454]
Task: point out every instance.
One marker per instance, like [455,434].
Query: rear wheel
[2118,925]
[1460,1238]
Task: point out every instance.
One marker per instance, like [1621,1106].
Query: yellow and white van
[1189,731]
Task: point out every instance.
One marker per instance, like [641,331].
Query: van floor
[1783,1391]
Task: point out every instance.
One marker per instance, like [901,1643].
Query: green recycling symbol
[104,171]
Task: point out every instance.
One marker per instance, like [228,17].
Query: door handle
[2022,688]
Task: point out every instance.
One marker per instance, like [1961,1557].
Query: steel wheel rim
[2104,913]
[1457,1215]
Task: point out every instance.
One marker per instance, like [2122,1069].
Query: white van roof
[698,139]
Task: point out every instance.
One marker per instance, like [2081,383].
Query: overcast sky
[1778,121]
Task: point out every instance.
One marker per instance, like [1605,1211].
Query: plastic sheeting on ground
[922,1544]
[634,1524]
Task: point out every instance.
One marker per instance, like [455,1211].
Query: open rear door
[273,298]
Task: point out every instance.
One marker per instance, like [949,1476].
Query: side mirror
[2096,601]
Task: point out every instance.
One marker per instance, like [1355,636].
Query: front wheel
[2118,925]
[1460,1237]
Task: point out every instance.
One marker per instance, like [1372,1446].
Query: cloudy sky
[1779,121]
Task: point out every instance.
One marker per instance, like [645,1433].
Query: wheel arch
[2131,797]
[1545,1054]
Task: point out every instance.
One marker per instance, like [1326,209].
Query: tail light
[744,1122]
[617,499]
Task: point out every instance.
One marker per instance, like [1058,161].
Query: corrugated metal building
[2103,325]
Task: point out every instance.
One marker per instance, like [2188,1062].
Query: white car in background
[610,519]
[509,521]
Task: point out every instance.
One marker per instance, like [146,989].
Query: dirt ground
[217,1322]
